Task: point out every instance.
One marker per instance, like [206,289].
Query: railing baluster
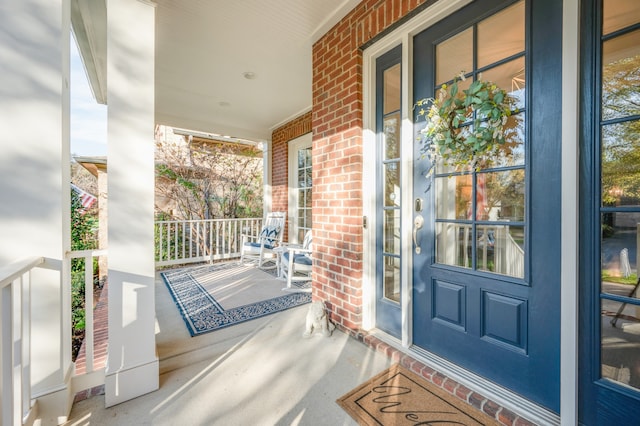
[25,285]
[16,337]
[168,240]
[88,312]
[214,239]
[219,242]
[6,355]
[15,332]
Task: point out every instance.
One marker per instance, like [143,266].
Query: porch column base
[126,384]
[53,407]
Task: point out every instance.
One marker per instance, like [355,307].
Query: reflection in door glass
[620,194]
[621,164]
[620,336]
[620,76]
[618,14]
[390,172]
[501,35]
[499,248]
[455,196]
[392,279]
[480,210]
[454,55]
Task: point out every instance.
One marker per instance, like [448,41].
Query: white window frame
[302,142]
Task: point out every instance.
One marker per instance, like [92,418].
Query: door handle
[418,223]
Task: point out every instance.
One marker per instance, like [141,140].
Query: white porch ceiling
[204,47]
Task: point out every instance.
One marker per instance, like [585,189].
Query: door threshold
[499,395]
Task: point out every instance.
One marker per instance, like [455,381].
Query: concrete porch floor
[260,372]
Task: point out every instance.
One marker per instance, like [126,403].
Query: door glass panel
[392,278]
[510,77]
[621,164]
[501,35]
[392,231]
[488,196]
[620,195]
[618,14]
[512,152]
[453,244]
[500,196]
[500,249]
[388,182]
[454,200]
[620,338]
[619,246]
[392,136]
[392,184]
[620,76]
[391,89]
[454,55]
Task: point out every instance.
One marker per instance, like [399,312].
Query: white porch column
[132,366]
[34,180]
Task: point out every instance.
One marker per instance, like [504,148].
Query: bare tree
[203,179]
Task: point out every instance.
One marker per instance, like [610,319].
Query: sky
[88,118]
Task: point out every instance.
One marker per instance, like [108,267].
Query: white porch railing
[508,256]
[89,322]
[190,241]
[17,406]
[17,282]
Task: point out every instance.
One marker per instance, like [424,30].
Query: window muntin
[304,191]
[390,170]
[480,213]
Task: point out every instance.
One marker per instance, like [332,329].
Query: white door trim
[401,35]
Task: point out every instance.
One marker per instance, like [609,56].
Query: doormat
[221,295]
[398,397]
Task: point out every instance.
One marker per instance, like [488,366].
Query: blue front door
[610,214]
[486,277]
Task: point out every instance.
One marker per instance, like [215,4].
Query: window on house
[300,187]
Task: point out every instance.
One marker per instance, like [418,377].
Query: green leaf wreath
[465,128]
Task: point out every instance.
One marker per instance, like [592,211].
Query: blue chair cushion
[251,245]
[300,259]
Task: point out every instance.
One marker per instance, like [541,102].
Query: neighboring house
[203,176]
[537,337]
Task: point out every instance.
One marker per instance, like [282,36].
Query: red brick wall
[280,159]
[337,155]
